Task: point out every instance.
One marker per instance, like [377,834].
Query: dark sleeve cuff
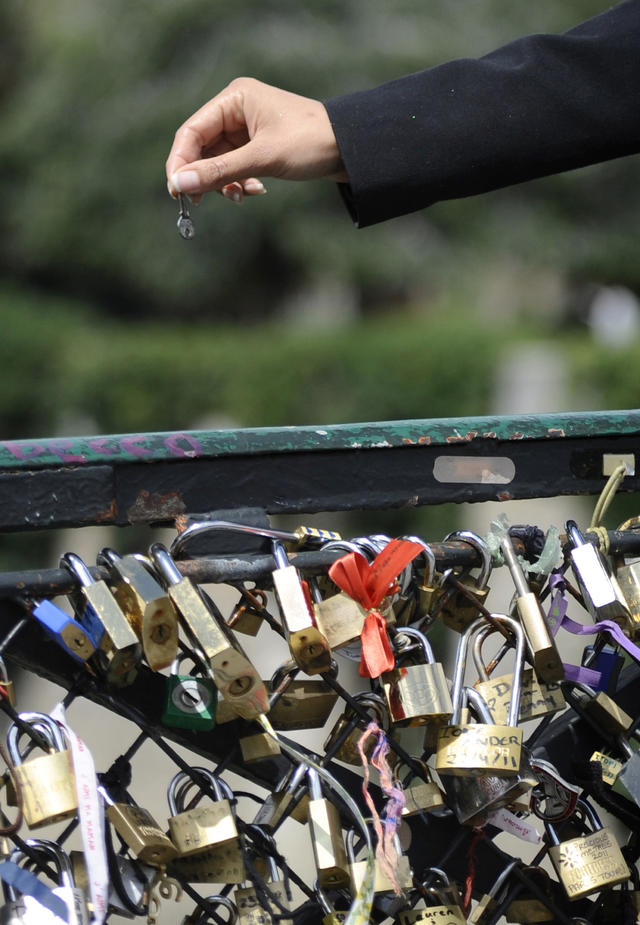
[537,106]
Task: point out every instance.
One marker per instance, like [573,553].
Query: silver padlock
[600,590]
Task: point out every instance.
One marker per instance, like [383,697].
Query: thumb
[213,173]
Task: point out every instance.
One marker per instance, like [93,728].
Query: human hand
[251,129]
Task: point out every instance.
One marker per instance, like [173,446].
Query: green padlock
[190,702]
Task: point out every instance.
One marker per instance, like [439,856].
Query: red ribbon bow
[368,584]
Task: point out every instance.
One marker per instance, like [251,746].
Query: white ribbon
[91,816]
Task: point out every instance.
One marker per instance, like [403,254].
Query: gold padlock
[203,827]
[473,799]
[118,651]
[347,732]
[381,882]
[286,799]
[544,654]
[140,832]
[590,862]
[307,644]
[251,911]
[326,837]
[302,704]
[246,617]
[441,904]
[460,609]
[416,693]
[258,746]
[465,750]
[146,605]
[234,674]
[537,698]
[48,783]
[422,795]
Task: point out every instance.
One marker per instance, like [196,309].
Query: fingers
[214,173]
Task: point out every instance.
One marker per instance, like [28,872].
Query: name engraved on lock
[48,789]
[203,826]
[464,749]
[610,766]
[220,864]
[586,864]
[444,915]
[536,699]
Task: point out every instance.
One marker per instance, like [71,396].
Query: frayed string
[471,871]
[386,852]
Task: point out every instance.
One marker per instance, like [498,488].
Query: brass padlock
[483,911]
[287,798]
[381,882]
[429,588]
[118,649]
[48,782]
[601,709]
[203,827]
[347,730]
[326,836]
[330,915]
[258,746]
[537,698]
[210,849]
[234,675]
[416,693]
[441,903]
[146,605]
[527,908]
[544,654]
[251,911]
[140,832]
[628,577]
[246,617]
[460,609]
[588,863]
[473,799]
[302,704]
[465,750]
[308,646]
[422,795]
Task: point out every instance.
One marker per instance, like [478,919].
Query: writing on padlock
[465,749]
[47,782]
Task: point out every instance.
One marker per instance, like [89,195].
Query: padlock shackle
[478,704]
[315,785]
[279,554]
[184,780]
[478,643]
[460,666]
[575,535]
[472,539]
[413,633]
[164,564]
[78,568]
[60,858]
[108,556]
[44,724]
[216,526]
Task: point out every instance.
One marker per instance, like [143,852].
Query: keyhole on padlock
[240,685]
[161,633]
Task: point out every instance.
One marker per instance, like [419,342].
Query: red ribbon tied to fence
[369,584]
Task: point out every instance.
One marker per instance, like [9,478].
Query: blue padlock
[67,632]
[609,662]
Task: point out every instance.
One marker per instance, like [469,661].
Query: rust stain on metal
[505,496]
[518,435]
[462,438]
[425,440]
[154,506]
[109,514]
[182,522]
[490,435]
[556,432]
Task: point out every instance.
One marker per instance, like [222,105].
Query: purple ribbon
[557,617]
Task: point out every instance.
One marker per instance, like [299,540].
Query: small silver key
[185,225]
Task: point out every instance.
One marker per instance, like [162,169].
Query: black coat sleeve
[537,106]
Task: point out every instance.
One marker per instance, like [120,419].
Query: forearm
[540,105]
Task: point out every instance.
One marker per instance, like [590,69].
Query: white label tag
[91,816]
[509,822]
